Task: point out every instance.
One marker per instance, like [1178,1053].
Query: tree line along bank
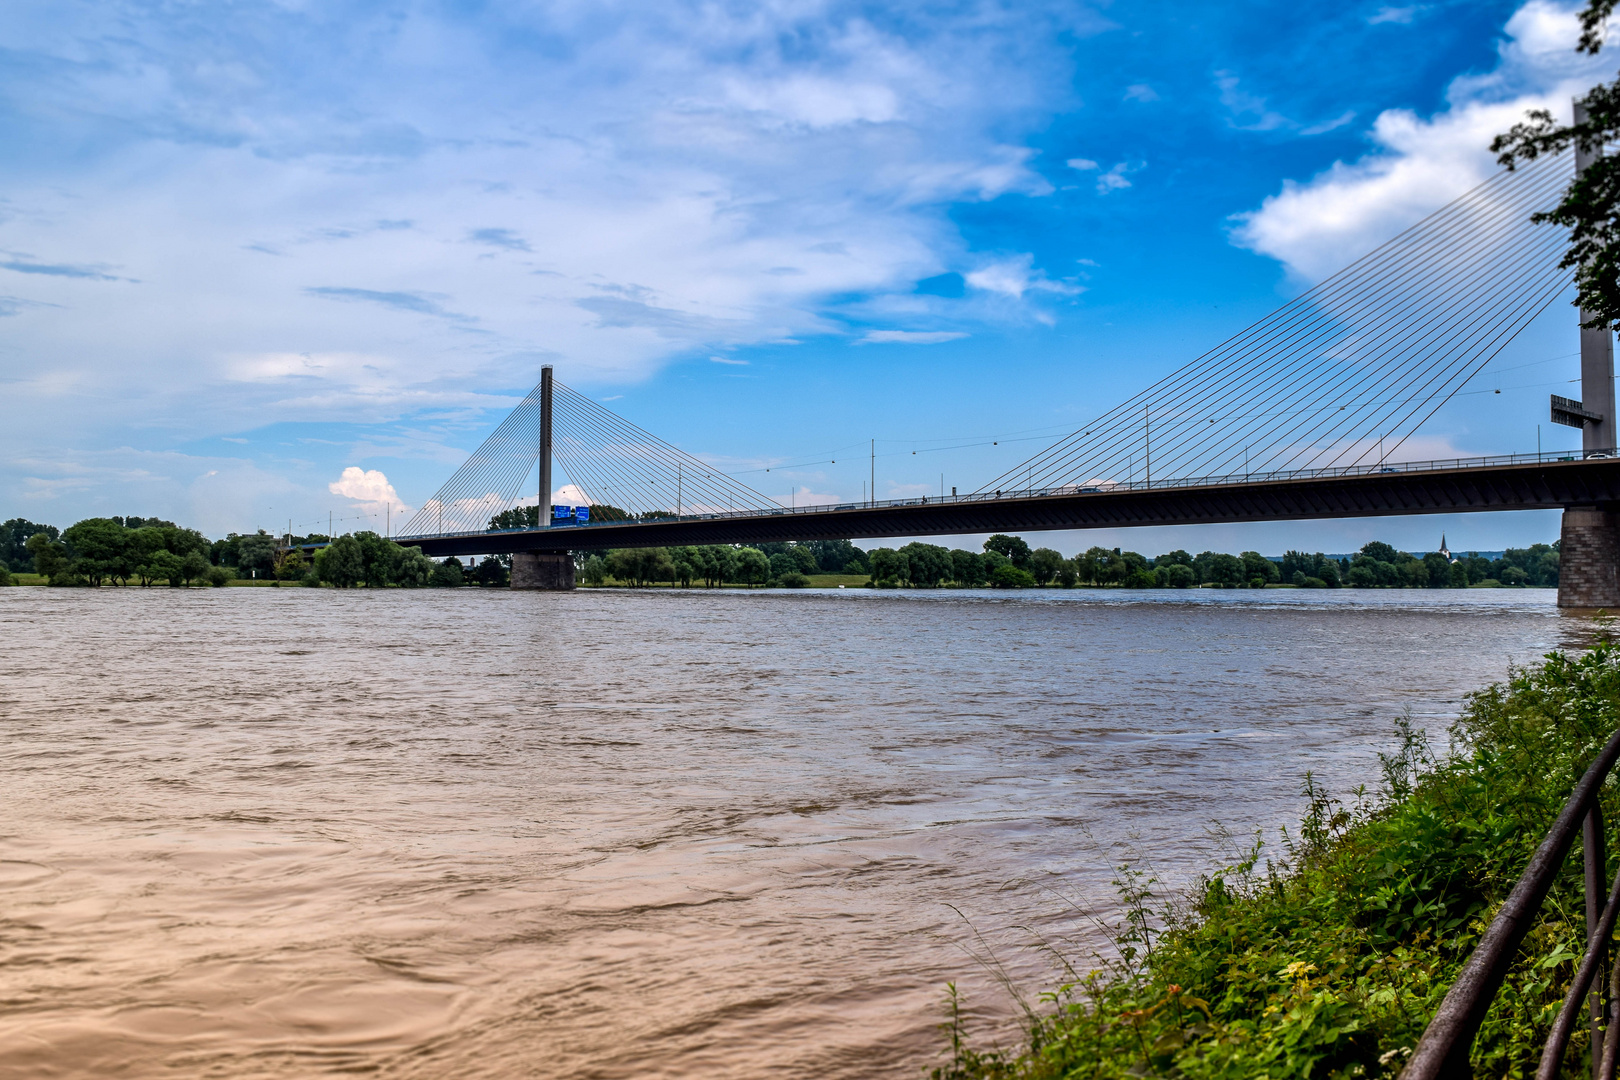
[146,551]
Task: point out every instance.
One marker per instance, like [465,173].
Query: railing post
[1595,857]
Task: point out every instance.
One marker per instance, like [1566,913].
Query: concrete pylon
[1589,559]
[550,570]
[1589,552]
[1597,351]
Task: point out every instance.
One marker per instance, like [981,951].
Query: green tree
[594,572]
[1141,578]
[782,563]
[1256,565]
[1224,571]
[1091,564]
[1178,576]
[14,537]
[1439,568]
[219,576]
[519,517]
[1008,576]
[1379,551]
[412,569]
[889,565]
[967,568]
[50,556]
[160,565]
[752,567]
[193,565]
[5,575]
[100,549]
[1590,207]
[290,565]
[255,555]
[447,575]
[379,558]
[717,564]
[341,563]
[493,573]
[927,564]
[1044,564]
[1173,558]
[1012,548]
[638,567]
[835,556]
[684,566]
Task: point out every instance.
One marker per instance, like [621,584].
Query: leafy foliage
[1329,960]
[1590,208]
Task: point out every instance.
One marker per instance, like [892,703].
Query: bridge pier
[550,570]
[1589,559]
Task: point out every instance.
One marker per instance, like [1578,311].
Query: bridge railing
[1442,1053]
[1100,487]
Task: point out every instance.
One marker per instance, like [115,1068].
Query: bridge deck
[1518,482]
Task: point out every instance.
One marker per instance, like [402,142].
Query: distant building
[1445,550]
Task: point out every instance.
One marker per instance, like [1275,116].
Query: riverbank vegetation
[1009,562]
[147,551]
[1327,956]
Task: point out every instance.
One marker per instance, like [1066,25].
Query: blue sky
[245,248]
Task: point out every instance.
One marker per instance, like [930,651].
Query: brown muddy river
[291,833]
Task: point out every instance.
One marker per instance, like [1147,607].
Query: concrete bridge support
[552,570]
[1589,561]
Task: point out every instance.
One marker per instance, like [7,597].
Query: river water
[288,833]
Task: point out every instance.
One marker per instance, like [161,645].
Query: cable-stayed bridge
[1302,415]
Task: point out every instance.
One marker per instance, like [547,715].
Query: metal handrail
[1107,487]
[1442,1052]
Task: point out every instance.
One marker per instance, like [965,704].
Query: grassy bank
[1327,958]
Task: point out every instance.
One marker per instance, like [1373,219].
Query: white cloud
[1141,92]
[570,495]
[727,360]
[1400,15]
[910,337]
[1318,226]
[370,488]
[804,496]
[1016,276]
[1114,178]
[1329,125]
[301,215]
[1248,111]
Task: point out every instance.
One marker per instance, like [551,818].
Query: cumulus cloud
[369,488]
[1317,226]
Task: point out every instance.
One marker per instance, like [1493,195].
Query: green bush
[1328,959]
[793,581]
[218,576]
[1008,576]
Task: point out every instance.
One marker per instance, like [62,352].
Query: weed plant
[1329,960]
